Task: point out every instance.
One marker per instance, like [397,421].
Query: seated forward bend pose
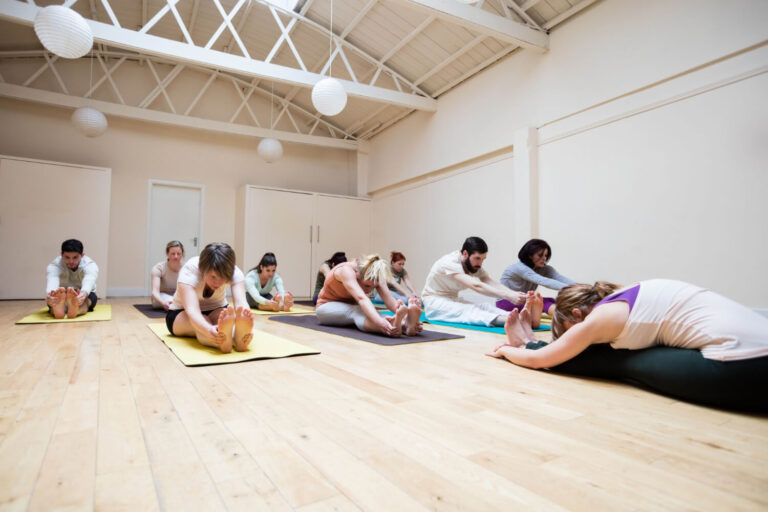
[462,270]
[325,268]
[530,271]
[165,274]
[259,283]
[71,282]
[344,300]
[400,286]
[682,340]
[199,306]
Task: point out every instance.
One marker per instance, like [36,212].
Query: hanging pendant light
[89,121]
[328,95]
[270,150]
[63,32]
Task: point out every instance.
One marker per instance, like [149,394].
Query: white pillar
[363,147]
[526,185]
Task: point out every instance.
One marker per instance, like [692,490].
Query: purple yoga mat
[149,311]
[310,322]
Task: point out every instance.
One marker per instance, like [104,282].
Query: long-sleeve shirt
[256,291]
[58,275]
[522,278]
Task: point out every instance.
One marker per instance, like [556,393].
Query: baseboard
[127,292]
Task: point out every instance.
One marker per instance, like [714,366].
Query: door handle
[194,242]
[318,233]
[310,233]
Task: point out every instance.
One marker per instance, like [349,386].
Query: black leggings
[677,372]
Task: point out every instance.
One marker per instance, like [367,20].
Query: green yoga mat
[483,328]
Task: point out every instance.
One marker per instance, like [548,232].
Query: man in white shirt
[71,282]
[462,270]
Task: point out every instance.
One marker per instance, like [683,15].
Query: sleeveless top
[678,314]
[333,289]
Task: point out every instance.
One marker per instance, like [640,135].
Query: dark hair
[338,257]
[530,248]
[172,244]
[72,245]
[266,261]
[218,257]
[474,244]
[396,256]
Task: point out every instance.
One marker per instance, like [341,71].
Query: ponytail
[578,296]
[375,269]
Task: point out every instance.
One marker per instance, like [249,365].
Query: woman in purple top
[677,338]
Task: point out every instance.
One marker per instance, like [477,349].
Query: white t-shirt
[190,274]
[83,278]
[439,281]
[167,277]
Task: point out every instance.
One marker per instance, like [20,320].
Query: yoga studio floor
[102,416]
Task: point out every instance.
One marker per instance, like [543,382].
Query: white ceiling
[213,64]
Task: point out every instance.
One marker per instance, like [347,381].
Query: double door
[303,229]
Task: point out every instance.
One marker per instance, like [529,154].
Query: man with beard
[71,285]
[462,270]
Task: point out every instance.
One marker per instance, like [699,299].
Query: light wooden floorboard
[102,416]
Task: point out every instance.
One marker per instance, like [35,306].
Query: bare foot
[72,305]
[525,325]
[412,324]
[226,322]
[243,328]
[515,335]
[397,320]
[288,301]
[58,302]
[535,307]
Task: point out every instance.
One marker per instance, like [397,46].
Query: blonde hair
[578,296]
[373,268]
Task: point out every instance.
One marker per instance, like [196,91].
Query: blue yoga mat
[483,328]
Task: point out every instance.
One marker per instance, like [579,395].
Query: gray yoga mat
[310,322]
[149,311]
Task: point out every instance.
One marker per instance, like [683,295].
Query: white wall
[137,152]
[652,127]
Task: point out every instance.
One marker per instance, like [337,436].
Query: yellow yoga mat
[263,346]
[99,313]
[296,309]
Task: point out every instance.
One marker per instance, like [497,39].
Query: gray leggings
[341,313]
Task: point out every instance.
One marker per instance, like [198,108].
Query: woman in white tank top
[719,345]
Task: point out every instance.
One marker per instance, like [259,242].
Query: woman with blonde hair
[671,336]
[344,299]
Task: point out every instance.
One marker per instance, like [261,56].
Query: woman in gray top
[528,273]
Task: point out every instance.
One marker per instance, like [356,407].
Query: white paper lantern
[89,121]
[270,150]
[329,96]
[63,32]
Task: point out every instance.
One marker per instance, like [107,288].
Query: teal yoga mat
[483,328]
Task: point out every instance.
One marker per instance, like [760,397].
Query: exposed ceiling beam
[24,13]
[63,100]
[478,20]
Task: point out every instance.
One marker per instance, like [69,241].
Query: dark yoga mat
[310,322]
[305,303]
[149,311]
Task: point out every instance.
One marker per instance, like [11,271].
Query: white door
[280,222]
[175,213]
[341,224]
[38,202]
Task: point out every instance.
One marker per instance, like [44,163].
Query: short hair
[266,261]
[530,248]
[338,257]
[474,244]
[172,244]
[219,257]
[72,245]
[396,256]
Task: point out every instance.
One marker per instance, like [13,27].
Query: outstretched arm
[490,288]
[156,291]
[603,325]
[191,306]
[348,278]
[238,295]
